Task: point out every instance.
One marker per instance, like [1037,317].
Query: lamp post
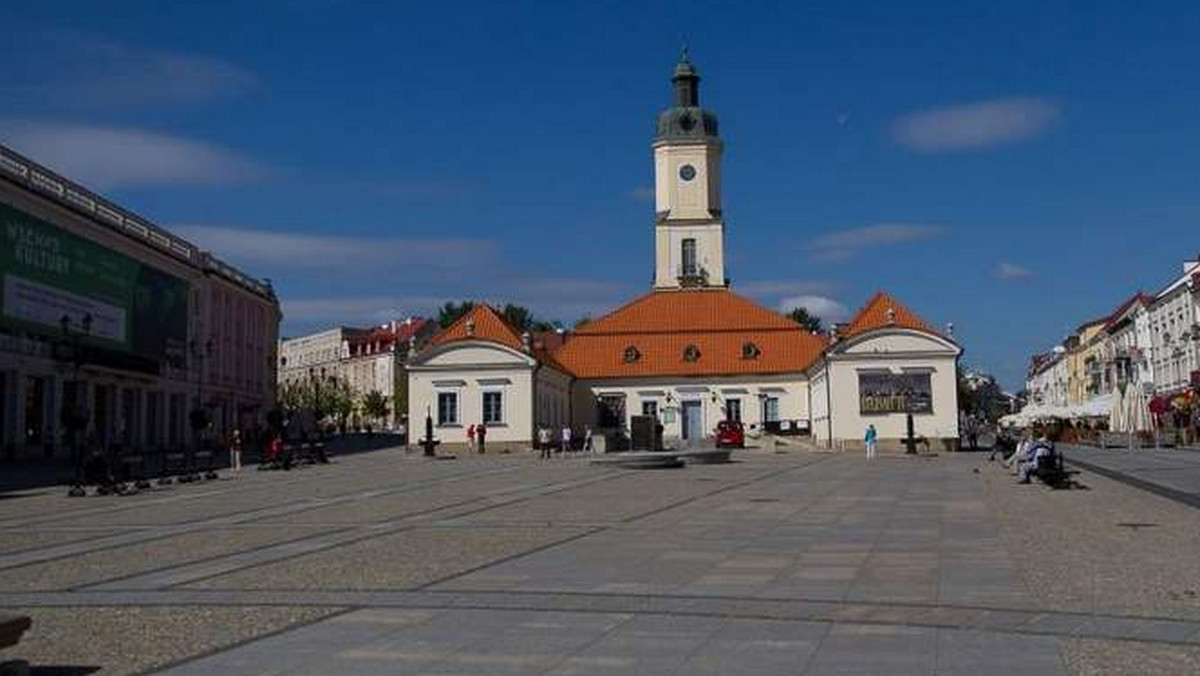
[75,417]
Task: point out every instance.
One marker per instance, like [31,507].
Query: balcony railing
[691,275]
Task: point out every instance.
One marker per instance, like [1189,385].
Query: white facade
[754,400]
[1175,331]
[473,382]
[317,351]
[839,420]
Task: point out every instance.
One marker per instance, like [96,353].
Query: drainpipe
[829,404]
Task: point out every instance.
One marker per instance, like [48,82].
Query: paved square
[788,563]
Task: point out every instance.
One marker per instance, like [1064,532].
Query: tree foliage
[375,405]
[802,317]
[451,311]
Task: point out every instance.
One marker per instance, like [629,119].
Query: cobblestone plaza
[781,563]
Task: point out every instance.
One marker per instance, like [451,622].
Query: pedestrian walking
[566,439]
[587,440]
[471,438]
[481,435]
[235,451]
[871,440]
[543,439]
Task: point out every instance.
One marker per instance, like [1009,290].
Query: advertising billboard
[47,273]
[885,392]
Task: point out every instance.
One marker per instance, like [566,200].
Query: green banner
[49,273]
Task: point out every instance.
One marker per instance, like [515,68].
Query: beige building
[691,352]
[124,325]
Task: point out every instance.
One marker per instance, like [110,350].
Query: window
[750,351]
[691,354]
[689,257]
[733,410]
[650,408]
[447,413]
[611,410]
[632,355]
[493,408]
[771,409]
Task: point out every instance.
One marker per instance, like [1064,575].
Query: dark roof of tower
[686,119]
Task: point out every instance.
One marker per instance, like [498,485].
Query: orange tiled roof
[690,310]
[661,325]
[874,315]
[489,325]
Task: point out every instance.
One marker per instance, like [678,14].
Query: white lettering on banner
[33,302]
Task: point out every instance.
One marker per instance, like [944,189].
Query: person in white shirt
[566,439]
[587,440]
[543,442]
[1021,454]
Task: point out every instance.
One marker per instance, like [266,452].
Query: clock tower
[689,235]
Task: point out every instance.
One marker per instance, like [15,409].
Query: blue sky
[1014,168]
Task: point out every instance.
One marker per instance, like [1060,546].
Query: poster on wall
[884,392]
[47,273]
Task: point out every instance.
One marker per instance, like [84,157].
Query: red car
[730,434]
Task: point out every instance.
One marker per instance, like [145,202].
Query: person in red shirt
[471,437]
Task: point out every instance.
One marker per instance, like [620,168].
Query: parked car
[730,434]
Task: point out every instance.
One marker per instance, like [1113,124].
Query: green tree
[375,405]
[450,312]
[802,317]
[518,316]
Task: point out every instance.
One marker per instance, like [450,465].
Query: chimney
[527,342]
[470,326]
[891,316]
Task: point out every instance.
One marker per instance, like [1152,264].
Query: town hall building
[691,352]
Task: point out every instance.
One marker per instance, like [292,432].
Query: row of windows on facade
[610,409]
[691,353]
[448,409]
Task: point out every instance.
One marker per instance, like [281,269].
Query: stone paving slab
[523,642]
[1172,473]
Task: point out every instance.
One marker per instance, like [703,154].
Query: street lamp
[75,417]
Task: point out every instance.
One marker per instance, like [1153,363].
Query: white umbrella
[1118,417]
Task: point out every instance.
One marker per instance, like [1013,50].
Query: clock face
[687,172]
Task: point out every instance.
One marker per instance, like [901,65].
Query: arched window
[632,355]
[691,354]
[750,351]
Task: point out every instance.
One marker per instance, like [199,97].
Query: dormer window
[750,351]
[691,354]
[632,355]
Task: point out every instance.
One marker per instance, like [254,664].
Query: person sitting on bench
[1042,448]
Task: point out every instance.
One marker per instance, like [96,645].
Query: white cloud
[305,313]
[844,244]
[368,255]
[643,193]
[104,158]
[974,125]
[1012,271]
[769,288]
[81,70]
[827,309]
[565,299]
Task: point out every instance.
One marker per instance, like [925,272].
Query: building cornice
[29,175]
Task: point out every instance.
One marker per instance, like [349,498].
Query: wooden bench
[1050,471]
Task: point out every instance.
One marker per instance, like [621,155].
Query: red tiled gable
[489,325]
[874,315]
[661,325]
